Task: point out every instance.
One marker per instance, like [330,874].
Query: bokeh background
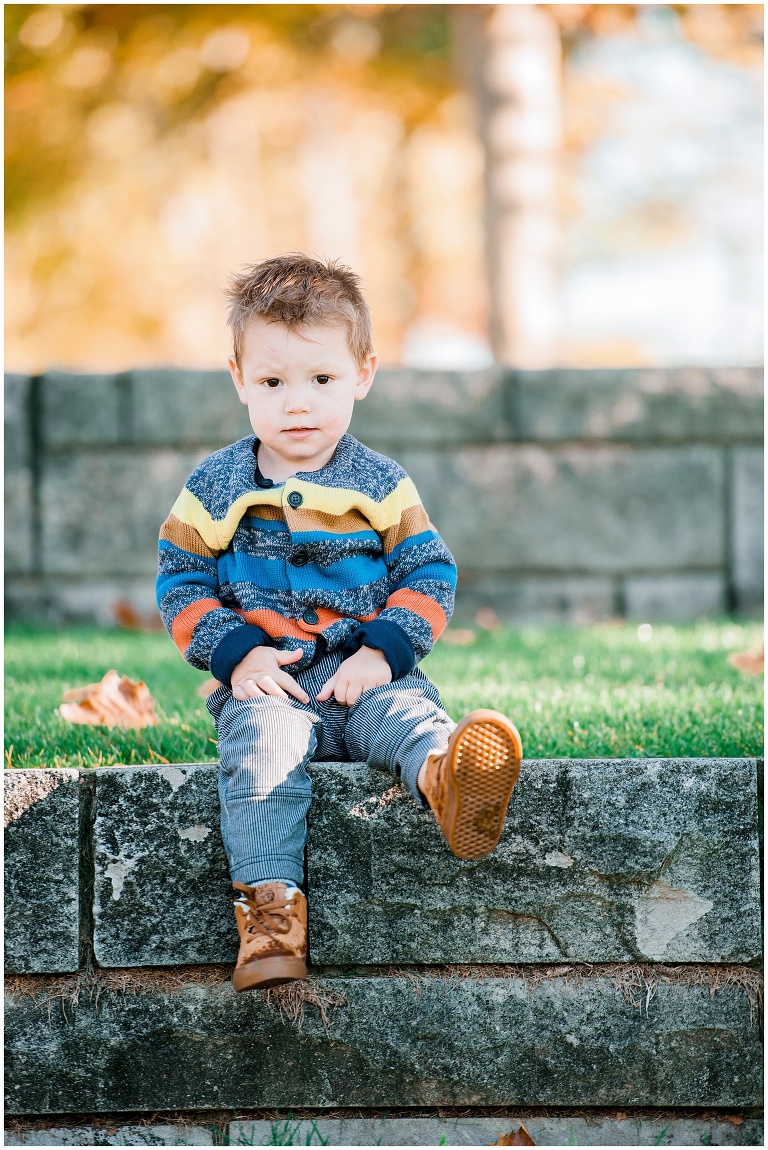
[556,211]
[574,185]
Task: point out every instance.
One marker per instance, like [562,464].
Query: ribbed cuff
[390,639]
[233,648]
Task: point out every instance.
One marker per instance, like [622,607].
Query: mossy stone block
[42,870]
[599,861]
[392,1041]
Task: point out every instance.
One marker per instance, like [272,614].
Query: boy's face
[300,386]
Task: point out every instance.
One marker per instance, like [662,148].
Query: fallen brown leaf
[620,1116]
[748,662]
[735,1120]
[126,615]
[114,702]
[519,1137]
[458,636]
[487,618]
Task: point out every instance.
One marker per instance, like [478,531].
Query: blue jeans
[266,742]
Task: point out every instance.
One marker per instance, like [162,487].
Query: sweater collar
[323,475]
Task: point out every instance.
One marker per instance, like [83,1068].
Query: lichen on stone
[22,789]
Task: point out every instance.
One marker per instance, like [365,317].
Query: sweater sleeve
[422,585]
[209,635]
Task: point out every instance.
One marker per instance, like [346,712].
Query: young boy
[301,569]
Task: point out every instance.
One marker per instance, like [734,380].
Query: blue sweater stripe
[204,579]
[270,574]
[434,572]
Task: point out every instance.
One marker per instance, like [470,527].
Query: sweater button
[295,499]
[310,617]
[299,559]
[261,480]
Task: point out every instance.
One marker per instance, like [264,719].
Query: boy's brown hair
[295,290]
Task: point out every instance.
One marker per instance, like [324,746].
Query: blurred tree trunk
[511,56]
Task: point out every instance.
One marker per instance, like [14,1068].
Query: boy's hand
[259,674]
[365,669]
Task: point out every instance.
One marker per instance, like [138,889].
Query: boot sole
[484,754]
[264,972]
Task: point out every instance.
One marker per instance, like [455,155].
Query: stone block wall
[605,956]
[565,495]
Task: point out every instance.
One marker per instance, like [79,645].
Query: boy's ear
[237,378]
[365,377]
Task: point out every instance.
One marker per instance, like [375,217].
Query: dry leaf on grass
[519,1137]
[114,702]
[458,636]
[749,662]
[126,615]
[487,619]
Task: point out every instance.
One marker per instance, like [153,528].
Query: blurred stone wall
[566,496]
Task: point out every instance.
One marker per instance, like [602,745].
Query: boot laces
[267,918]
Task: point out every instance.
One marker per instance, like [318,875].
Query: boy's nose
[296,401]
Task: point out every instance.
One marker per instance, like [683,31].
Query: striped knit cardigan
[328,560]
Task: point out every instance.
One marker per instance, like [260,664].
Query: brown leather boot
[468,785]
[273,935]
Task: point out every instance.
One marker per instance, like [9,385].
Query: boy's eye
[272,382]
[323,378]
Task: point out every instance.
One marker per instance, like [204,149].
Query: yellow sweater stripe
[217,533]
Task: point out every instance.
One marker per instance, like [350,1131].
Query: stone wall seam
[87,785]
[36,451]
[727,513]
[125,407]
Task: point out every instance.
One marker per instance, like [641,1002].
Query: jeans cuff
[257,871]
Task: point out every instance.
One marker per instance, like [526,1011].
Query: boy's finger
[327,689]
[344,693]
[289,656]
[291,686]
[267,686]
[246,689]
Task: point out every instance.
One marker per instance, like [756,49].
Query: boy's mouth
[299,432]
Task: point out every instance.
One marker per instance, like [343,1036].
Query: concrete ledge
[158,1135]
[570,1130]
[600,860]
[565,1040]
[560,1130]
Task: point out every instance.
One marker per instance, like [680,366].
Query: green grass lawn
[598,692]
